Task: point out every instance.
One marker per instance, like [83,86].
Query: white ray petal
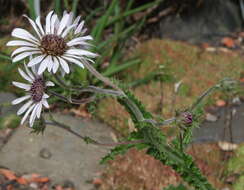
[24,34]
[23,49]
[81,52]
[73,56]
[26,114]
[72,60]
[43,66]
[33,24]
[64,65]
[21,99]
[45,103]
[20,43]
[48,22]
[69,22]
[24,55]
[79,27]
[24,107]
[55,64]
[83,31]
[67,30]
[38,23]
[24,75]
[22,85]
[50,83]
[63,23]
[33,115]
[39,110]
[53,20]
[76,21]
[45,96]
[36,60]
[50,63]
[80,40]
[29,72]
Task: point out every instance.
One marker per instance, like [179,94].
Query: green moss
[239,184]
[236,164]
[11,121]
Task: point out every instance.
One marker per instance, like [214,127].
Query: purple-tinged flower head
[35,94]
[187,118]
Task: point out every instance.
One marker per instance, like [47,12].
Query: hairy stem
[88,140]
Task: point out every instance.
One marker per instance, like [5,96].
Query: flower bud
[186,118]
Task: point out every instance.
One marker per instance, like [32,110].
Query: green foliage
[39,126]
[122,149]
[9,121]
[172,155]
[179,187]
[31,7]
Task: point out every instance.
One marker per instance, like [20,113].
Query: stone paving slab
[218,130]
[64,156]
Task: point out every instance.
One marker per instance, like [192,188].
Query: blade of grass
[92,14]
[57,7]
[74,6]
[66,5]
[133,11]
[31,8]
[100,26]
[144,80]
[111,71]
[5,57]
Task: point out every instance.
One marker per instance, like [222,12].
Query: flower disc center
[37,89]
[52,44]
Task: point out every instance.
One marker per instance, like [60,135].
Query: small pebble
[210,117]
[236,101]
[45,153]
[33,185]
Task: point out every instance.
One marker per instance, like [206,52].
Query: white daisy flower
[59,43]
[36,95]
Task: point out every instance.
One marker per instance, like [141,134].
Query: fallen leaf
[228,42]
[41,179]
[22,181]
[81,112]
[97,181]
[220,103]
[8,174]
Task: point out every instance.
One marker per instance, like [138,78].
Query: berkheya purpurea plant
[54,50]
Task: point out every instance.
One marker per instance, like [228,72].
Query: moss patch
[235,167]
